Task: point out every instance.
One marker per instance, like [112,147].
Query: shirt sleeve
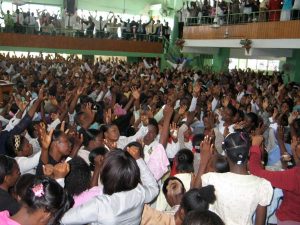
[21,126]
[206,179]
[285,180]
[265,193]
[28,163]
[149,183]
[193,104]
[158,162]
[84,214]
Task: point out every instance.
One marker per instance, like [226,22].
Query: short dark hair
[79,178]
[237,145]
[198,199]
[94,153]
[6,166]
[90,135]
[23,183]
[166,183]
[254,119]
[14,145]
[137,145]
[185,160]
[197,217]
[154,123]
[53,199]
[221,164]
[120,172]
[197,139]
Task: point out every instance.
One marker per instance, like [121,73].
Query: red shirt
[288,181]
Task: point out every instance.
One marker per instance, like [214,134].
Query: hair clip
[17,143]
[38,190]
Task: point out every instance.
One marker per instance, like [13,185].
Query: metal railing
[112,33]
[242,18]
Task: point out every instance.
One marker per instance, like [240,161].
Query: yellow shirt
[154,217]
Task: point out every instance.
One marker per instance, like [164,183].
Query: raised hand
[48,170]
[196,90]
[174,131]
[21,105]
[61,170]
[108,116]
[135,93]
[207,148]
[45,137]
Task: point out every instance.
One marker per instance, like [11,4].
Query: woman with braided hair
[19,147]
[236,189]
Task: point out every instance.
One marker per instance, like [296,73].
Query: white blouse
[117,209]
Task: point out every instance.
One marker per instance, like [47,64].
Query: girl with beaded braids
[236,189]
[44,203]
[19,147]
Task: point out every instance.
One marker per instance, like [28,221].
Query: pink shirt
[86,196]
[5,220]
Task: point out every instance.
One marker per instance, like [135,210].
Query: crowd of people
[240,11]
[72,24]
[111,142]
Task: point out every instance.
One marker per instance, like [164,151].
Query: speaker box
[70,5]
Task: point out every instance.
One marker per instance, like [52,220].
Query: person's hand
[196,90]
[108,116]
[79,91]
[48,170]
[98,161]
[174,131]
[211,120]
[41,95]
[135,93]
[207,149]
[45,137]
[21,105]
[61,170]
[110,144]
[294,115]
[53,100]
[257,140]
[78,139]
[89,112]
[134,152]
[265,104]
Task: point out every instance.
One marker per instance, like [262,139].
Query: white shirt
[123,141]
[237,196]
[117,209]
[28,164]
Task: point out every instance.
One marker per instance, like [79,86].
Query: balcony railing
[241,18]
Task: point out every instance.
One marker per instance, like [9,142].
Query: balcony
[78,45]
[270,37]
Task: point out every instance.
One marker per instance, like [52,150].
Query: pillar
[221,60]
[294,65]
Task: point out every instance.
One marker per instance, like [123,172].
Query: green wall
[295,65]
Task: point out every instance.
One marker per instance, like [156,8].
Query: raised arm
[285,180]
[164,136]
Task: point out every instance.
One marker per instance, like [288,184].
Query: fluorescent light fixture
[155,7]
